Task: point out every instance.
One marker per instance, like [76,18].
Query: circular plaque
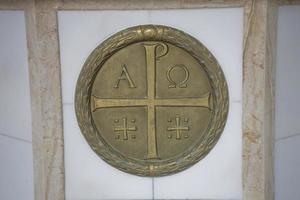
[151,100]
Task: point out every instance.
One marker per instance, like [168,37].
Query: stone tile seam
[287,137]
[196,199]
[153,199]
[15,138]
[68,103]
[153,188]
[120,199]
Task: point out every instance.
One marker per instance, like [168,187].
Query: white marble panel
[288,70]
[16,169]
[287,167]
[86,174]
[80,32]
[220,30]
[217,176]
[222,34]
[89,177]
[15,113]
[287,146]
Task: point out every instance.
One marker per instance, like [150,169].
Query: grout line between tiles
[236,101]
[67,103]
[187,199]
[198,199]
[118,199]
[15,138]
[156,199]
[149,17]
[287,137]
[152,188]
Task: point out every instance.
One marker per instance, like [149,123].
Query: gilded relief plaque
[151,100]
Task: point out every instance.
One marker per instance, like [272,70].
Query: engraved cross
[151,102]
[178,128]
[125,129]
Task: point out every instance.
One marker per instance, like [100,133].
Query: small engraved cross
[125,129]
[178,128]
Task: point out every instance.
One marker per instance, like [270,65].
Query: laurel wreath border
[151,33]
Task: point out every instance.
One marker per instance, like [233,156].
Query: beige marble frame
[260,25]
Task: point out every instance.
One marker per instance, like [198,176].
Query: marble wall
[218,175]
[16,167]
[87,176]
[287,146]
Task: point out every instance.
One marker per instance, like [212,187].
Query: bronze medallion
[151,100]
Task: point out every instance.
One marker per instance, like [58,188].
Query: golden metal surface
[151,100]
